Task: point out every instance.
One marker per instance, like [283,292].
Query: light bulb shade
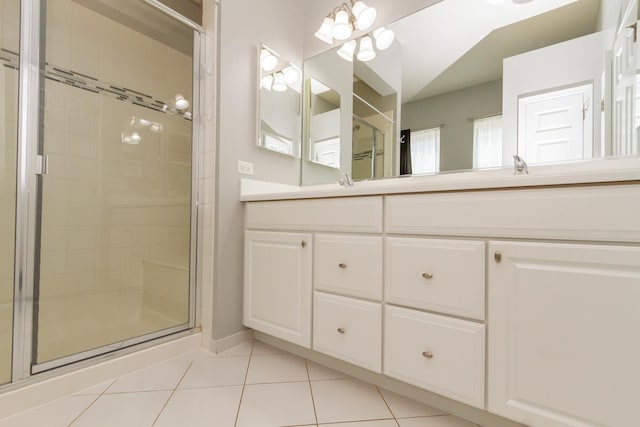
[181,103]
[342,27]
[347,50]
[291,75]
[366,52]
[268,61]
[365,15]
[279,84]
[324,32]
[267,81]
[135,138]
[384,38]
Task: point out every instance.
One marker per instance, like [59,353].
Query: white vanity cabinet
[277,284]
[564,338]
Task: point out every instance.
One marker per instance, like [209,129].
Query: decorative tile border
[78,80]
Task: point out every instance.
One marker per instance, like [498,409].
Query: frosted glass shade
[365,15]
[384,38]
[347,50]
[341,28]
[324,32]
[268,61]
[267,81]
[291,75]
[279,84]
[366,52]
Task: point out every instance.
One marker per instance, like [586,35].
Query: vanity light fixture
[268,61]
[347,50]
[366,52]
[280,80]
[344,20]
[383,39]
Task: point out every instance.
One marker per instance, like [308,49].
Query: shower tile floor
[251,385]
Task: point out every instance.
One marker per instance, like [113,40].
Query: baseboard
[48,386]
[218,346]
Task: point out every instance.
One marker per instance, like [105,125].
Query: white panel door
[556,126]
[277,284]
[564,337]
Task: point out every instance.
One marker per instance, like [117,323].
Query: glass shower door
[114,258]
[9,50]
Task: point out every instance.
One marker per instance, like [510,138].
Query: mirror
[324,124]
[532,78]
[279,104]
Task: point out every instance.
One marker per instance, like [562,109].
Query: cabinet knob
[427,354]
[341,330]
[342,265]
[497,256]
[427,276]
[303,243]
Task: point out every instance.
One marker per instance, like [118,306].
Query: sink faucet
[519,165]
[346,180]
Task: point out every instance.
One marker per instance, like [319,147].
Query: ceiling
[456,44]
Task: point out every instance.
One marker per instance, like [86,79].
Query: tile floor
[251,385]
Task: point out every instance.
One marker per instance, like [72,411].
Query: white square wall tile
[269,405]
[163,376]
[348,400]
[124,410]
[440,421]
[403,407]
[276,368]
[202,407]
[59,413]
[319,372]
[212,371]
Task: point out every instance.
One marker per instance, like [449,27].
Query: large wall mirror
[467,84]
[279,103]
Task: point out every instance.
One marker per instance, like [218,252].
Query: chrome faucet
[519,165]
[346,180]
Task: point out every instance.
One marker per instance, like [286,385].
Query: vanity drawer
[348,265]
[433,274]
[437,353]
[348,329]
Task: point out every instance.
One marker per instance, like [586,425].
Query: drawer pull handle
[497,256]
[427,354]
[341,330]
[342,265]
[427,276]
[303,243]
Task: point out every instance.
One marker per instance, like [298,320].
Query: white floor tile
[261,349]
[59,413]
[348,400]
[163,376]
[243,349]
[441,421]
[271,405]
[202,407]
[124,410]
[403,407]
[277,368]
[215,371]
[376,423]
[95,390]
[319,372]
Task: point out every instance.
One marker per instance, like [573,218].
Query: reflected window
[425,151]
[487,142]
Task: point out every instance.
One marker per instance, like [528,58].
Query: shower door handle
[42,164]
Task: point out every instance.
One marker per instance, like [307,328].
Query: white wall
[244,24]
[565,64]
[453,111]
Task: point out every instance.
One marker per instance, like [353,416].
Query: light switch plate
[245,168]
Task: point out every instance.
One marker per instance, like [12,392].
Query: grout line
[92,402]
[244,383]
[172,393]
[388,407]
[313,401]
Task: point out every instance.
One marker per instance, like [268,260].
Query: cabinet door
[564,338]
[277,285]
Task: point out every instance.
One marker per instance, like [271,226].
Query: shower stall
[98,129]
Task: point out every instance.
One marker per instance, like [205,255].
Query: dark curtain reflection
[405,152]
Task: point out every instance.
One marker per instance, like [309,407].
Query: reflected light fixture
[344,20]
[366,52]
[268,61]
[384,38]
[291,75]
[267,81]
[279,84]
[181,103]
[347,50]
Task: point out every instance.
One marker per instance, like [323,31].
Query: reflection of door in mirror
[556,126]
[279,101]
[324,124]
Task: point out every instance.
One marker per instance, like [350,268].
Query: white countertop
[622,170]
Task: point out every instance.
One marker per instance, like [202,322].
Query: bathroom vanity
[506,293]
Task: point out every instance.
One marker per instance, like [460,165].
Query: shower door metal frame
[26,250]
